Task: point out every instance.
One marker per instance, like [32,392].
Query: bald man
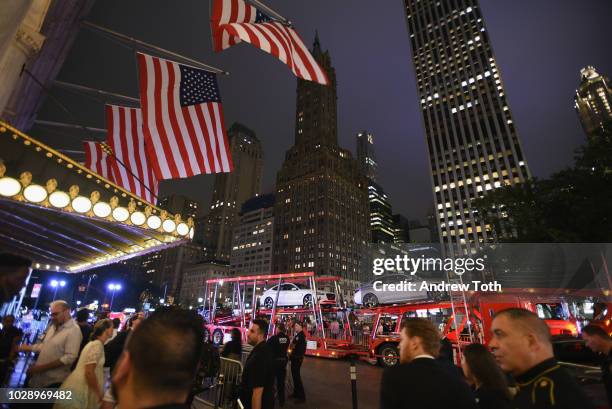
[522,346]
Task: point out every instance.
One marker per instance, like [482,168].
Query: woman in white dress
[87,380]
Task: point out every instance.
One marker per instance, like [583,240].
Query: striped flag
[125,137]
[234,20]
[182,119]
[98,160]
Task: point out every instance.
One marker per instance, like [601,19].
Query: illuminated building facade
[593,101]
[472,140]
[252,238]
[321,211]
[231,190]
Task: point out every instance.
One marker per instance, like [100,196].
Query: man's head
[280,328]
[418,336]
[116,323]
[257,332]
[297,327]
[520,340]
[60,312]
[82,315]
[160,359]
[14,271]
[597,339]
[8,321]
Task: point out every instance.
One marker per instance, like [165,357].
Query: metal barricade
[224,391]
[361,338]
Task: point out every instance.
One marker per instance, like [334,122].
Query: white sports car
[292,295]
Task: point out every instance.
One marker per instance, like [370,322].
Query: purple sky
[540,47]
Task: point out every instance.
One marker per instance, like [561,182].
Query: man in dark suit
[419,381]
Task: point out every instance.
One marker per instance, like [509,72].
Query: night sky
[540,47]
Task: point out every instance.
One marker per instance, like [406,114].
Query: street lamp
[200,300]
[113,287]
[55,284]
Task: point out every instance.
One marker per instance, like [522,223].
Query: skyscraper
[471,137]
[231,190]
[253,236]
[366,156]
[593,100]
[382,227]
[321,210]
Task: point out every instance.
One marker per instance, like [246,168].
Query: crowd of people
[154,361]
[153,366]
[518,370]
[265,369]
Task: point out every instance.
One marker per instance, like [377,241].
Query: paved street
[327,384]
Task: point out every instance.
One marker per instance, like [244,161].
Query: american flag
[125,137]
[98,160]
[234,20]
[182,119]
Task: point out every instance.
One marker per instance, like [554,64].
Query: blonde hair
[99,328]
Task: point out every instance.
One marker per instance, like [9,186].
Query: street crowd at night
[165,360]
[259,204]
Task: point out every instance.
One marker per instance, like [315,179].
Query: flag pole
[144,45]
[91,129]
[258,4]
[88,90]
[70,126]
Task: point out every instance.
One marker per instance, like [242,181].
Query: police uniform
[257,373]
[297,357]
[548,385]
[279,344]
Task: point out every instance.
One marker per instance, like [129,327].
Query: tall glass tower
[471,137]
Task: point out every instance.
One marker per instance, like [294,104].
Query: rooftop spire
[316,47]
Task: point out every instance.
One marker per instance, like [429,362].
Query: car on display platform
[371,294]
[291,295]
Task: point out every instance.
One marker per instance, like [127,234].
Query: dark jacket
[279,344]
[114,348]
[232,348]
[425,384]
[298,345]
[258,372]
[547,385]
[490,399]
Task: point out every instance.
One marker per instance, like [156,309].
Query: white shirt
[61,343]
[424,356]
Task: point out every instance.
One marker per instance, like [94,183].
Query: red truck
[376,331]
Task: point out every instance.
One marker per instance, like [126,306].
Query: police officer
[279,344]
[298,349]
[522,346]
[257,387]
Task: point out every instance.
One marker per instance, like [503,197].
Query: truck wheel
[269,303]
[370,300]
[217,337]
[389,355]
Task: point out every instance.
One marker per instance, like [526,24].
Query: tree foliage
[573,205]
